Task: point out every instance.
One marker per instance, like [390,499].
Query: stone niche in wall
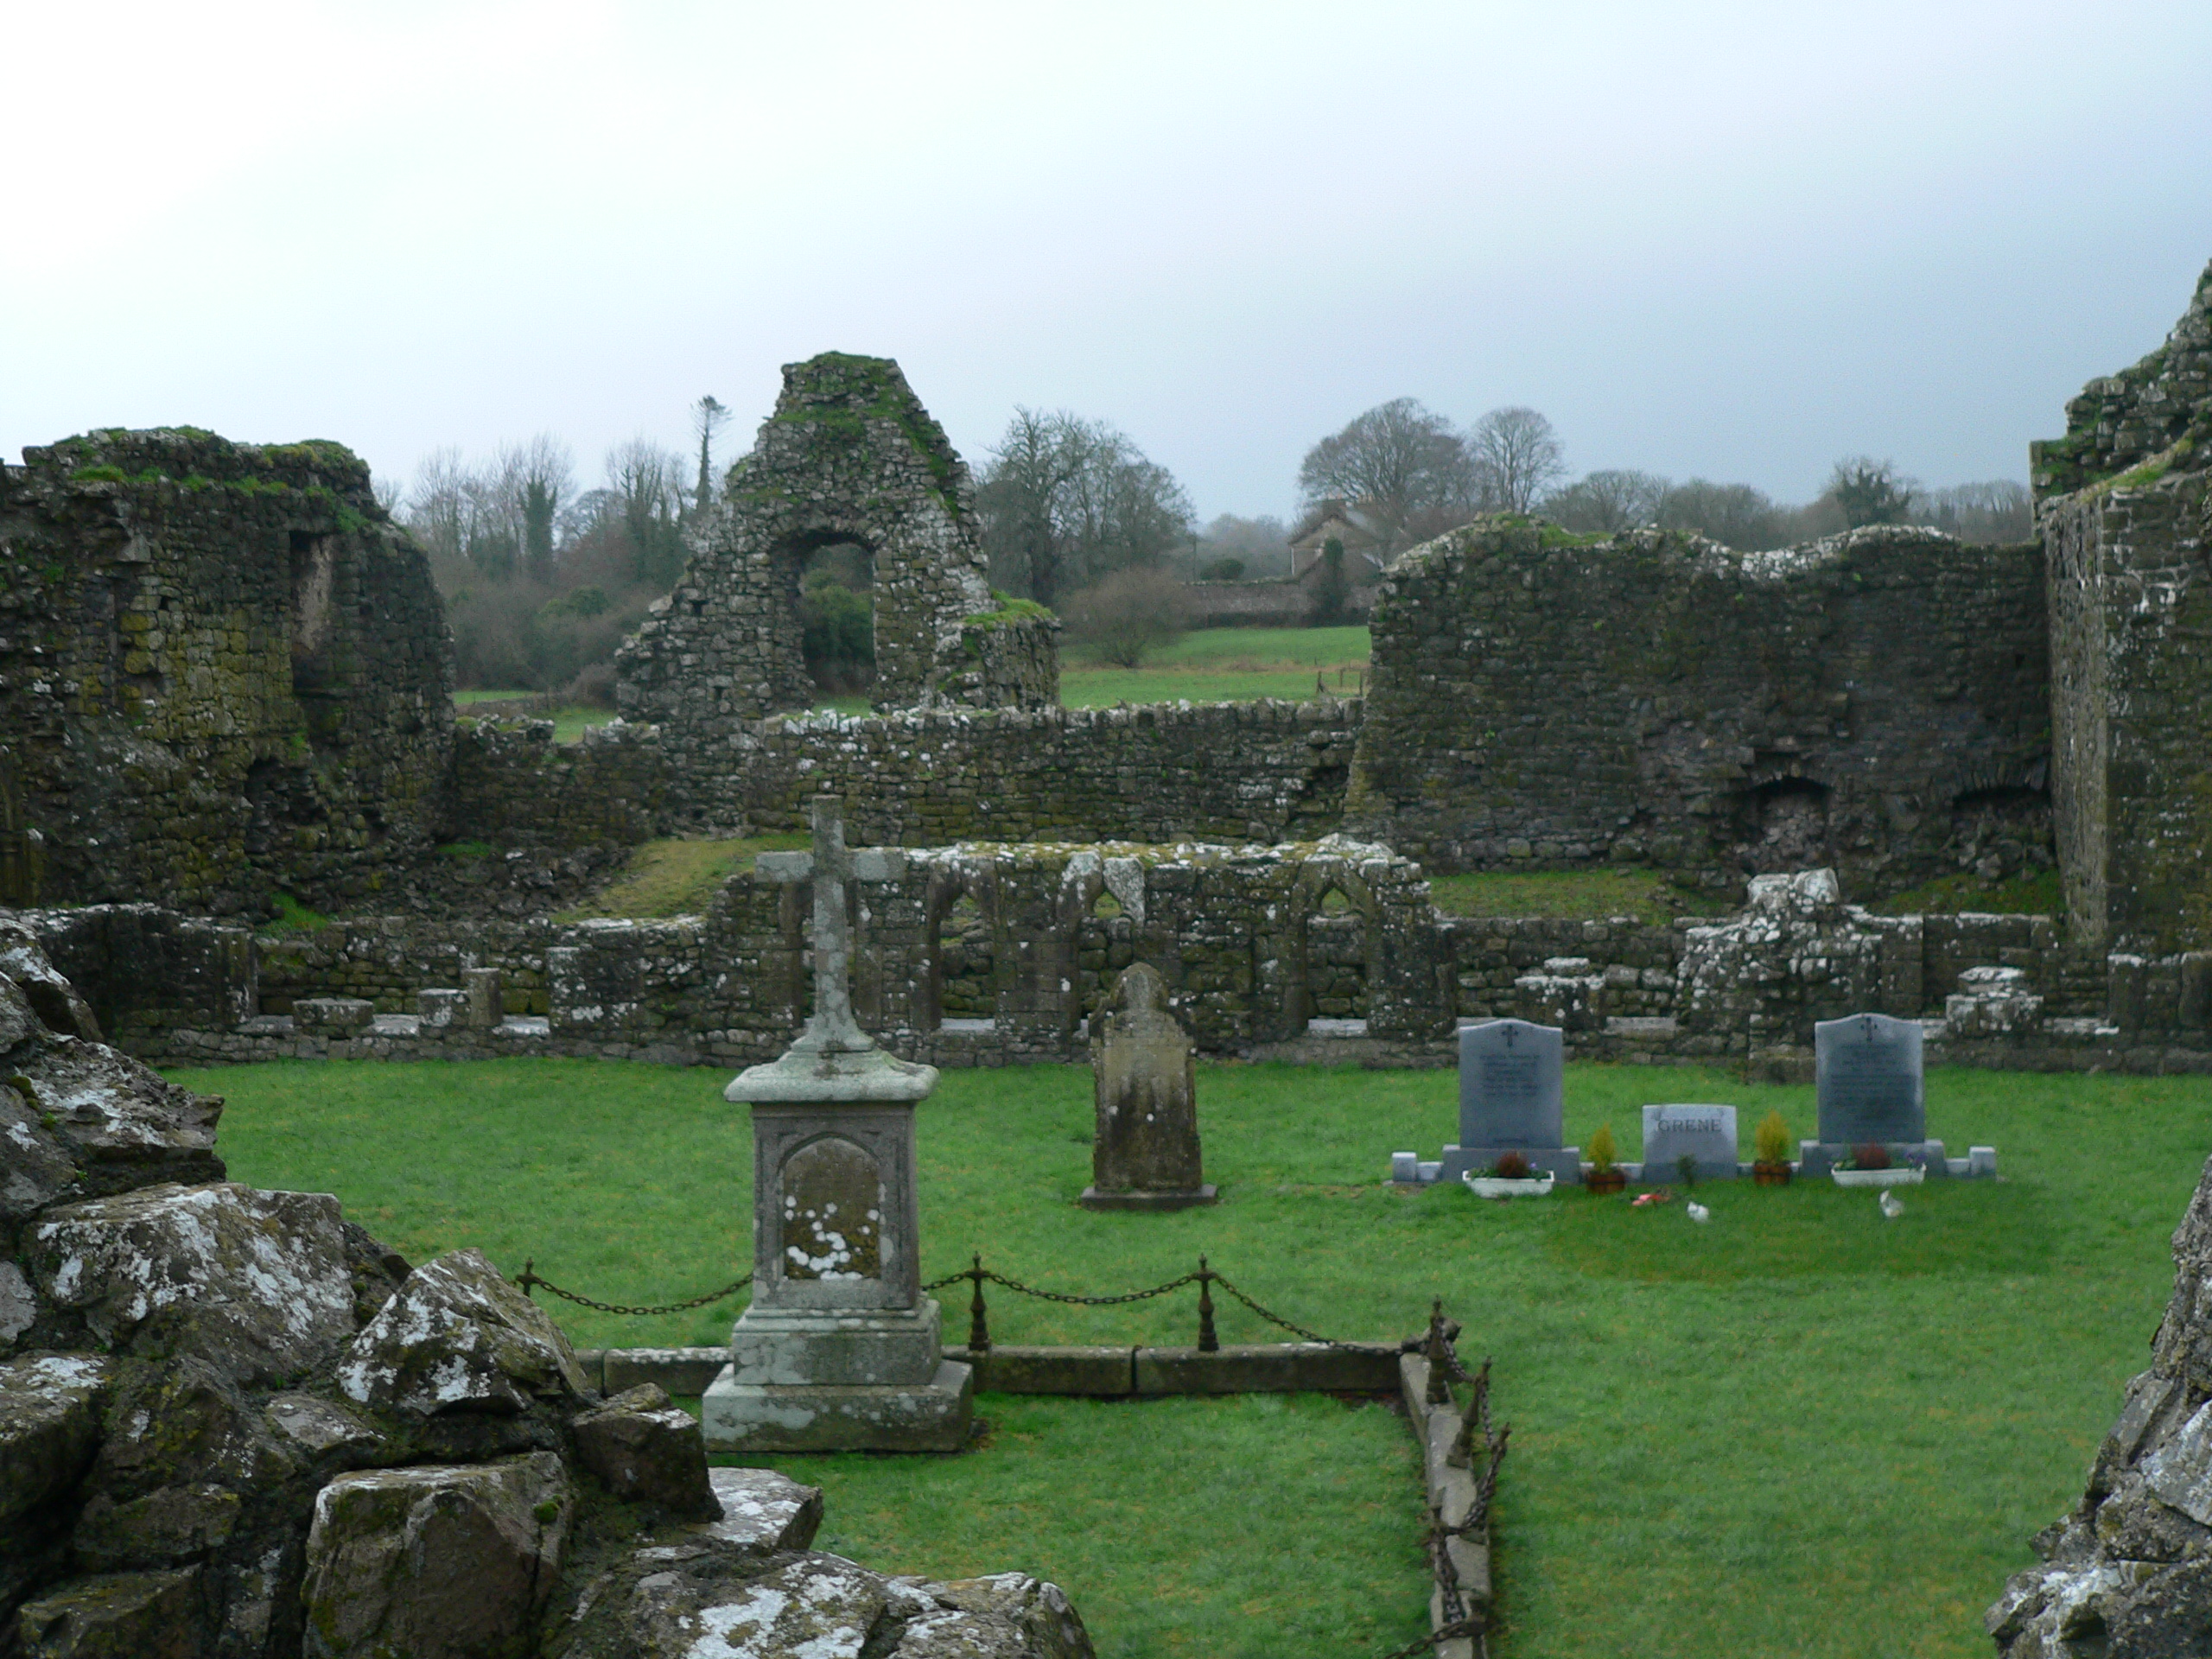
[223,670]
[849,460]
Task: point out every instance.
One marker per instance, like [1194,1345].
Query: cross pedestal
[840,1349]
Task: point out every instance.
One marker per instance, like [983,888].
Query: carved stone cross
[829,866]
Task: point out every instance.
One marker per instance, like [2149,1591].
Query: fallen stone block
[1005,1616]
[763,1511]
[255,1282]
[49,1426]
[646,1450]
[123,1126]
[121,1616]
[442,1563]
[458,1337]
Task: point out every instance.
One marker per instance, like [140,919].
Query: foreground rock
[234,1426]
[2128,1573]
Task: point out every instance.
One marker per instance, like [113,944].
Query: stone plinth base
[845,1347]
[933,1416]
[1093,1199]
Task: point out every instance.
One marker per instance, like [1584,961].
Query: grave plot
[1721,1433]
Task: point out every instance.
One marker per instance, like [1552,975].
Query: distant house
[1333,520]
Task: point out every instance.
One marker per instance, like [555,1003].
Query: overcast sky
[1735,240]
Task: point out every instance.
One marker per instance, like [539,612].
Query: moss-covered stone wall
[1876,702]
[848,456]
[223,672]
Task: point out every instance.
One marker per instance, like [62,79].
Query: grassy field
[1588,894]
[1799,1430]
[569,722]
[676,878]
[1223,665]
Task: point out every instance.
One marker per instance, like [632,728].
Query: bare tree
[1066,501]
[1517,457]
[1998,510]
[1735,515]
[708,417]
[1606,503]
[646,482]
[1400,463]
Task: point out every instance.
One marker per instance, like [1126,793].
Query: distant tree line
[541,579]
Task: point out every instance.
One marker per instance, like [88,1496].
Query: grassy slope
[1799,1430]
[676,878]
[1598,893]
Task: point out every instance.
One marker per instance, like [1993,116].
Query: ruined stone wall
[849,457]
[1265,771]
[514,786]
[222,671]
[2124,505]
[1876,702]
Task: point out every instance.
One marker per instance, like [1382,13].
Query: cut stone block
[457,1336]
[646,1450]
[764,1511]
[121,1616]
[934,1416]
[49,1426]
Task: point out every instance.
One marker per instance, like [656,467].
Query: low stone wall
[992,954]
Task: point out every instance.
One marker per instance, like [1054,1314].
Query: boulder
[51,997]
[124,1127]
[185,1422]
[705,1597]
[49,1426]
[2127,1574]
[1005,1616]
[646,1450]
[169,1525]
[763,1511]
[255,1282]
[442,1562]
[36,1169]
[120,1615]
[458,1337]
[18,1305]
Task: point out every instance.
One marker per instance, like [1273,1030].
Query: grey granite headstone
[1512,1084]
[1867,1071]
[1707,1134]
[1512,1098]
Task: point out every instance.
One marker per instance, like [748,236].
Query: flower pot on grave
[1906,1176]
[1602,1181]
[1493,1187]
[1770,1174]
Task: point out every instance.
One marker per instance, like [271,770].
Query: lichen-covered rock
[53,998]
[2128,1573]
[436,1561]
[458,1337]
[122,1616]
[1005,1616]
[50,1425]
[764,1511]
[121,1122]
[18,1305]
[708,1600]
[255,1282]
[646,1450]
[36,1169]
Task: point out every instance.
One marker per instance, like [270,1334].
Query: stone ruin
[234,1424]
[2127,1573]
[849,457]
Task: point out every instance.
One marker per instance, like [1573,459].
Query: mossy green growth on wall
[871,389]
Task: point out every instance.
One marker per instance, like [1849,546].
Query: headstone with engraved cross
[840,1349]
[1512,1098]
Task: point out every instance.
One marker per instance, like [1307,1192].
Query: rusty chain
[530,1279]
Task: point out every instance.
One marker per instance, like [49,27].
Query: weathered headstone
[1144,1153]
[839,1349]
[1866,1072]
[1705,1134]
[1512,1098]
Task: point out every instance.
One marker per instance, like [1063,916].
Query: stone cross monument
[840,1349]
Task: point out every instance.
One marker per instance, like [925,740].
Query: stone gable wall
[849,455]
[1876,702]
[222,671]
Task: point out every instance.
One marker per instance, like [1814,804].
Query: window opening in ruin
[964,951]
[1336,960]
[1105,906]
[837,614]
[314,568]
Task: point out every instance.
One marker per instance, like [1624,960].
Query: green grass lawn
[1596,894]
[1799,1430]
[1223,665]
[676,878]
